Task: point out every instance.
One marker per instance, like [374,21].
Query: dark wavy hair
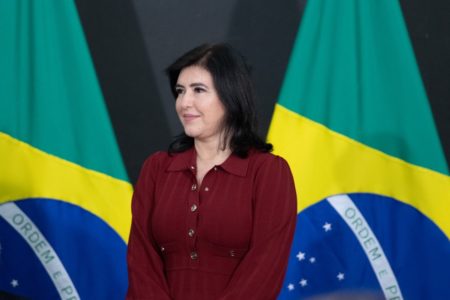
[231,78]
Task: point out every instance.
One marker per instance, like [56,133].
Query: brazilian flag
[354,123]
[64,193]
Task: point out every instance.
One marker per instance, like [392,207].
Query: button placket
[194,255]
[196,197]
[208,184]
[192,219]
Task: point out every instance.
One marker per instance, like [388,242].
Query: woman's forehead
[194,73]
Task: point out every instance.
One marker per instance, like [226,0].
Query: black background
[131,42]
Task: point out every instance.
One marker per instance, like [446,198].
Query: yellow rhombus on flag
[354,123]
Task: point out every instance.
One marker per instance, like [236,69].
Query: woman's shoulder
[267,160]
[159,155]
[163,159]
[264,157]
[156,159]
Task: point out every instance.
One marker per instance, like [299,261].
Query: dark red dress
[226,239]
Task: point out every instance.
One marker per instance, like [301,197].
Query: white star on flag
[300,256]
[312,260]
[303,282]
[290,287]
[14,283]
[327,226]
[340,276]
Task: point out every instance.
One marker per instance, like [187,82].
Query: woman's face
[198,105]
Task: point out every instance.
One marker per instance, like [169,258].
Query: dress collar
[187,160]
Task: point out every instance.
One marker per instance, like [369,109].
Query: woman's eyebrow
[198,84]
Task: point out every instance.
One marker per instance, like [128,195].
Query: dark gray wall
[132,42]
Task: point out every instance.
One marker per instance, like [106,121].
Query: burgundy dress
[226,239]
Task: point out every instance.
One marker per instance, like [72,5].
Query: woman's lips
[189,117]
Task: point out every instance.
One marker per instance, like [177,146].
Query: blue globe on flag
[44,252]
[367,246]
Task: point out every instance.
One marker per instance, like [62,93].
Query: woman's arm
[261,272]
[146,278]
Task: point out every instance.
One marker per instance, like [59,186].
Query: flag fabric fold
[64,192]
[354,122]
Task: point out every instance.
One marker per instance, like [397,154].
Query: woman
[213,218]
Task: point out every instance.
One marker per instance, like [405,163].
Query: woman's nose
[186,99]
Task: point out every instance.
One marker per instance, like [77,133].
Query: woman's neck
[211,151]
[209,155]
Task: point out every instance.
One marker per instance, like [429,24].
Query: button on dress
[226,239]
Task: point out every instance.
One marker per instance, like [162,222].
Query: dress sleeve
[261,272]
[146,278]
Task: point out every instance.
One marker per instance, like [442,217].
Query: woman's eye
[178,91]
[199,90]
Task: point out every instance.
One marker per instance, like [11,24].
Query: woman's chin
[191,133]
